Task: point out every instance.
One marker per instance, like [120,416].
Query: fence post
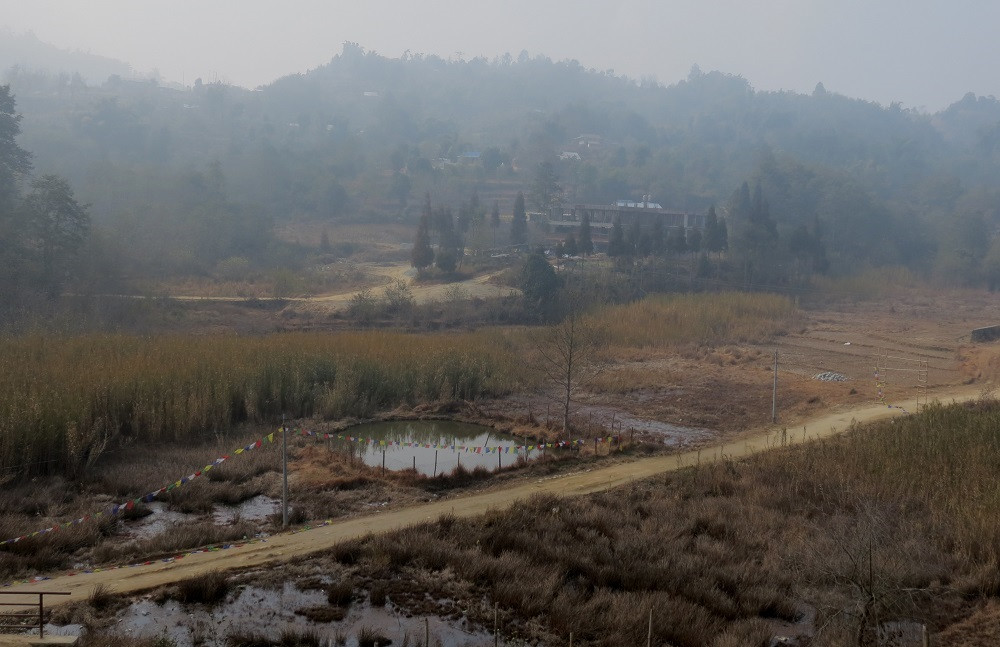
[649,632]
[284,473]
[41,616]
[383,462]
[435,462]
[774,390]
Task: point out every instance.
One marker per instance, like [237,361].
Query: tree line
[43,229]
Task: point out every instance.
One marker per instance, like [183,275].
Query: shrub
[210,588]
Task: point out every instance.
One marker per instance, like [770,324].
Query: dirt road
[284,547]
[477,286]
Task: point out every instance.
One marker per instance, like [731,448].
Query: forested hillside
[180,180]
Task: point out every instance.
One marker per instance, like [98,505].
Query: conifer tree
[586,243]
[616,244]
[495,220]
[519,225]
[422,255]
[657,241]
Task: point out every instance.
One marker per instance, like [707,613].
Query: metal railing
[27,615]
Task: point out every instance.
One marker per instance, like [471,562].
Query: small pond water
[266,613]
[435,446]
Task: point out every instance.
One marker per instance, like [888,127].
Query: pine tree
[616,244]
[422,255]
[633,238]
[657,241]
[586,243]
[694,239]
[570,247]
[676,241]
[519,224]
[449,249]
[15,164]
[495,220]
[713,232]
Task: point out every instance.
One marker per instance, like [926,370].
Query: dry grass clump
[50,551]
[371,637]
[209,588]
[288,638]
[188,535]
[101,597]
[107,639]
[340,593]
[323,613]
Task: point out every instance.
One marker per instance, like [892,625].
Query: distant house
[569,155]
[589,141]
[645,204]
[470,157]
[602,217]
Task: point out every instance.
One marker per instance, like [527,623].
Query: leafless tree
[570,354]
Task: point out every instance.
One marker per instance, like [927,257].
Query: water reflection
[435,446]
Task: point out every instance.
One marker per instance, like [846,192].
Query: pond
[435,446]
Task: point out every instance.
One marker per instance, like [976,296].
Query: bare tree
[570,354]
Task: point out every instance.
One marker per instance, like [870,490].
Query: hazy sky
[925,54]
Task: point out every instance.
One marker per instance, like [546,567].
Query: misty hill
[366,136]
[26,54]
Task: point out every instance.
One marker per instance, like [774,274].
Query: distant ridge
[29,54]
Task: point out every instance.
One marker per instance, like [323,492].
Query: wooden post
[925,637]
[41,617]
[284,473]
[414,463]
[774,390]
[383,462]
[435,462]
[496,627]
[499,459]
[649,632]
[571,639]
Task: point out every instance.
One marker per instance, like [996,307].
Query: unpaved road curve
[477,286]
[287,546]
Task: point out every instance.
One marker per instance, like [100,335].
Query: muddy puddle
[259,508]
[158,522]
[610,420]
[435,446]
[265,612]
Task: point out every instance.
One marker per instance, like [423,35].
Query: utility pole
[284,473]
[774,390]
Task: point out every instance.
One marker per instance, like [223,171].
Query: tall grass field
[63,400]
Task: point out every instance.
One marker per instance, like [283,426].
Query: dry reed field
[662,321]
[66,400]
